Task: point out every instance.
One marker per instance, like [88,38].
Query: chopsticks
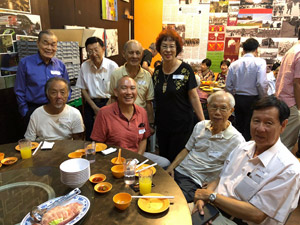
[37,148]
[142,163]
[147,167]
[159,197]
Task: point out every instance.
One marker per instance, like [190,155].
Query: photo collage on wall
[16,23]
[227,24]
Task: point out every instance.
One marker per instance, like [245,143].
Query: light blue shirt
[247,76]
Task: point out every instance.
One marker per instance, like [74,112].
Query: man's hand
[202,194]
[199,207]
[170,171]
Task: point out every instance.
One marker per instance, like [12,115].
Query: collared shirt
[247,76]
[289,70]
[96,81]
[31,79]
[272,82]
[145,91]
[207,152]
[270,181]
[113,128]
[45,126]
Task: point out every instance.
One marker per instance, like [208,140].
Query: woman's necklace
[165,84]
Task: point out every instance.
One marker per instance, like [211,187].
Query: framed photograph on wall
[109,10]
[17,6]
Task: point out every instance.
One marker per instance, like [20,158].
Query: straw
[37,148]
[159,197]
[147,167]
[142,163]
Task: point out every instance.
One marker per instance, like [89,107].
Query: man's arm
[142,146]
[170,170]
[195,101]
[20,87]
[88,99]
[297,92]
[149,109]
[262,82]
[236,208]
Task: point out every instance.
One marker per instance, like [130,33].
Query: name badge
[55,72]
[142,131]
[179,77]
[141,82]
[215,154]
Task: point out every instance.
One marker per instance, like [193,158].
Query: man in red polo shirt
[124,123]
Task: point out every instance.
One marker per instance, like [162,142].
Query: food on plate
[61,214]
[97,179]
[102,188]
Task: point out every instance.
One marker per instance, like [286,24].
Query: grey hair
[131,41]
[53,79]
[222,93]
[45,32]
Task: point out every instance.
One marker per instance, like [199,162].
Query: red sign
[211,37]
[220,46]
[211,46]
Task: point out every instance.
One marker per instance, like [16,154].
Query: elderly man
[55,120]
[202,159]
[247,81]
[124,123]
[33,73]
[148,54]
[93,79]
[260,181]
[133,52]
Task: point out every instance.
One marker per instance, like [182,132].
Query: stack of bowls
[75,172]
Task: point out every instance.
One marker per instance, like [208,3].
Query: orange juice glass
[145,181]
[25,148]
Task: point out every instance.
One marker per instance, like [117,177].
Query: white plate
[79,198]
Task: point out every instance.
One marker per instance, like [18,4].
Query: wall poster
[109,10]
[15,5]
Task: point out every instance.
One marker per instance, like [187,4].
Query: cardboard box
[78,35]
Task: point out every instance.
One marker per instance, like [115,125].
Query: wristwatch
[212,197]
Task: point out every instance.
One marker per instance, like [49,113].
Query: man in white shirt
[260,181]
[94,81]
[202,159]
[55,120]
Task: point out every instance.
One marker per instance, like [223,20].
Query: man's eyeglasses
[92,51]
[215,108]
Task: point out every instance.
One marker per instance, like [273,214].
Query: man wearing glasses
[94,81]
[33,73]
[202,159]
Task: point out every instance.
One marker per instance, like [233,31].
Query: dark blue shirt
[31,79]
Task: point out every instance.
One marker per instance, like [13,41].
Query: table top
[43,170]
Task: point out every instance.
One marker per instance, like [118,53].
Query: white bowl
[74,165]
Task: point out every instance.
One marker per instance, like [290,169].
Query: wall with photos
[215,29]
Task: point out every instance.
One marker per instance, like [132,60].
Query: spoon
[37,213]
[119,159]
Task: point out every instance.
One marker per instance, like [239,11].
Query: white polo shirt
[96,81]
[270,181]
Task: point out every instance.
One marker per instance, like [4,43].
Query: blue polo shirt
[31,79]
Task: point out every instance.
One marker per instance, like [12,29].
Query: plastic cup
[25,148]
[145,181]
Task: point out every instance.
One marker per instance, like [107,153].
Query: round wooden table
[43,168]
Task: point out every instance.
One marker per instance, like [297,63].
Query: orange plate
[103,184]
[143,166]
[100,147]
[9,161]
[98,175]
[80,150]
[33,146]
[153,205]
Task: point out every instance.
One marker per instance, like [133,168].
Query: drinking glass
[90,152]
[145,181]
[129,171]
[25,148]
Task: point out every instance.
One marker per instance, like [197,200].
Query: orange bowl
[122,200]
[114,160]
[103,187]
[1,155]
[9,161]
[74,155]
[81,150]
[208,82]
[118,171]
[97,178]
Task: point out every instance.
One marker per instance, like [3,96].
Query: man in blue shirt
[33,73]
[247,81]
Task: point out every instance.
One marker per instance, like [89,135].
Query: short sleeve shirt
[173,108]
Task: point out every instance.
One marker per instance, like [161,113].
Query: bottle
[129,172]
